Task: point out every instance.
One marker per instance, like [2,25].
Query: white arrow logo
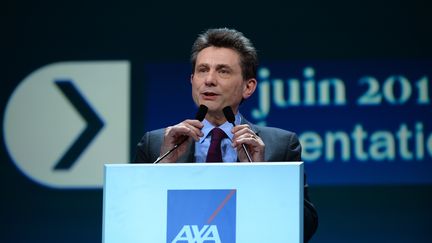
[66,120]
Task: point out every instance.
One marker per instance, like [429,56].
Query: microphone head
[229,114]
[201,113]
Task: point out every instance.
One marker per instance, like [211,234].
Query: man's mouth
[209,94]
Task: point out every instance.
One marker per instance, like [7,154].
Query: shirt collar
[226,127]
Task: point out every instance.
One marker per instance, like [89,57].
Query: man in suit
[224,65]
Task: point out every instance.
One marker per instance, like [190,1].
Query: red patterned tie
[214,153]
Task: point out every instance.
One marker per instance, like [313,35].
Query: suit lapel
[254,128]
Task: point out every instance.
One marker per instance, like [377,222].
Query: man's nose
[211,78]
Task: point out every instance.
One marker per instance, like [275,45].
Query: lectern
[203,202]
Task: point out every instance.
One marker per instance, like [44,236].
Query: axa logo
[201,216]
[193,234]
[66,120]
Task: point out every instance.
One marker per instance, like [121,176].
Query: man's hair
[228,38]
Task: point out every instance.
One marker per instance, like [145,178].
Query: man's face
[217,80]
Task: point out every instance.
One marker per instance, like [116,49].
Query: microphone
[201,113]
[229,115]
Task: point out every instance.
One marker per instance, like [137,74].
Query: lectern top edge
[209,164]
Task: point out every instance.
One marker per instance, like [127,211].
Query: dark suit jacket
[280,145]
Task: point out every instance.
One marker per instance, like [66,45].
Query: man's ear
[249,89]
[191,78]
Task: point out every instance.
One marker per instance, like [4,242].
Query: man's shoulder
[280,144]
[155,136]
[156,132]
[273,131]
[268,130]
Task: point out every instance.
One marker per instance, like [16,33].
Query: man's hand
[188,129]
[255,146]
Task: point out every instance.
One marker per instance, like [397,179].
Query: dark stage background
[389,203]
